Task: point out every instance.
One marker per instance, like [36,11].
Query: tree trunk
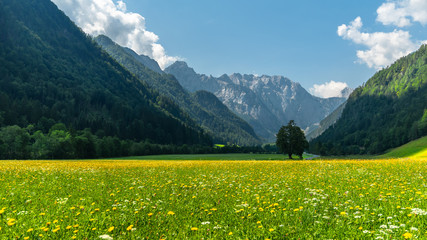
[290,156]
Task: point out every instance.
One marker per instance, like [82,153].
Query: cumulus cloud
[402,13]
[110,18]
[329,89]
[383,47]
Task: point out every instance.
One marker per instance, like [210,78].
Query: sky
[324,45]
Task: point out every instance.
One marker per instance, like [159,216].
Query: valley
[105,135]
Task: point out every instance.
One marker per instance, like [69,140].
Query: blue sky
[296,39]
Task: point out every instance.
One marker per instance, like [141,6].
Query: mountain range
[204,107]
[261,101]
[265,102]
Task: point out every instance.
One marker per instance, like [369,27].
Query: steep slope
[205,109]
[325,123]
[145,60]
[266,102]
[50,71]
[413,149]
[388,111]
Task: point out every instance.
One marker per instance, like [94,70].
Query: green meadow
[194,199]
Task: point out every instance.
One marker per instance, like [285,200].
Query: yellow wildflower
[407,235]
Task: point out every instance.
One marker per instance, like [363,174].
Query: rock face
[266,102]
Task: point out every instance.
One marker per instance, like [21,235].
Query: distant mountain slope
[326,123]
[388,111]
[266,102]
[50,71]
[145,60]
[203,107]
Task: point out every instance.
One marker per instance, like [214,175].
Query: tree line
[59,142]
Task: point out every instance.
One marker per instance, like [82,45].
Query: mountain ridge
[266,102]
[217,120]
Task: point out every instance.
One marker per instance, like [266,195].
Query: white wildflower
[105,236]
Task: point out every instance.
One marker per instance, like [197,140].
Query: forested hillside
[51,72]
[388,111]
[204,108]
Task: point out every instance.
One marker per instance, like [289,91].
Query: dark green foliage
[51,72]
[62,143]
[203,107]
[291,140]
[387,112]
[223,123]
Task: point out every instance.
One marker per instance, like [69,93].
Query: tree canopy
[291,140]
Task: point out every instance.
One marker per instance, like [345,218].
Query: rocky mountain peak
[266,102]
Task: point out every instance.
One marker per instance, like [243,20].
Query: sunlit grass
[413,149]
[383,199]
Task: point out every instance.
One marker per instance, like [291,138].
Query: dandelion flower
[407,235]
[171,213]
[11,222]
[129,228]
[110,229]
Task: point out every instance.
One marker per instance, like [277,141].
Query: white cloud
[111,19]
[383,48]
[402,13]
[328,89]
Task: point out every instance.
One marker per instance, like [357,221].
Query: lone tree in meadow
[291,140]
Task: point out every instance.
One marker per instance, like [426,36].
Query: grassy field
[108,199]
[229,156]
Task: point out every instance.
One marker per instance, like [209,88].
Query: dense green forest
[203,107]
[388,111]
[51,72]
